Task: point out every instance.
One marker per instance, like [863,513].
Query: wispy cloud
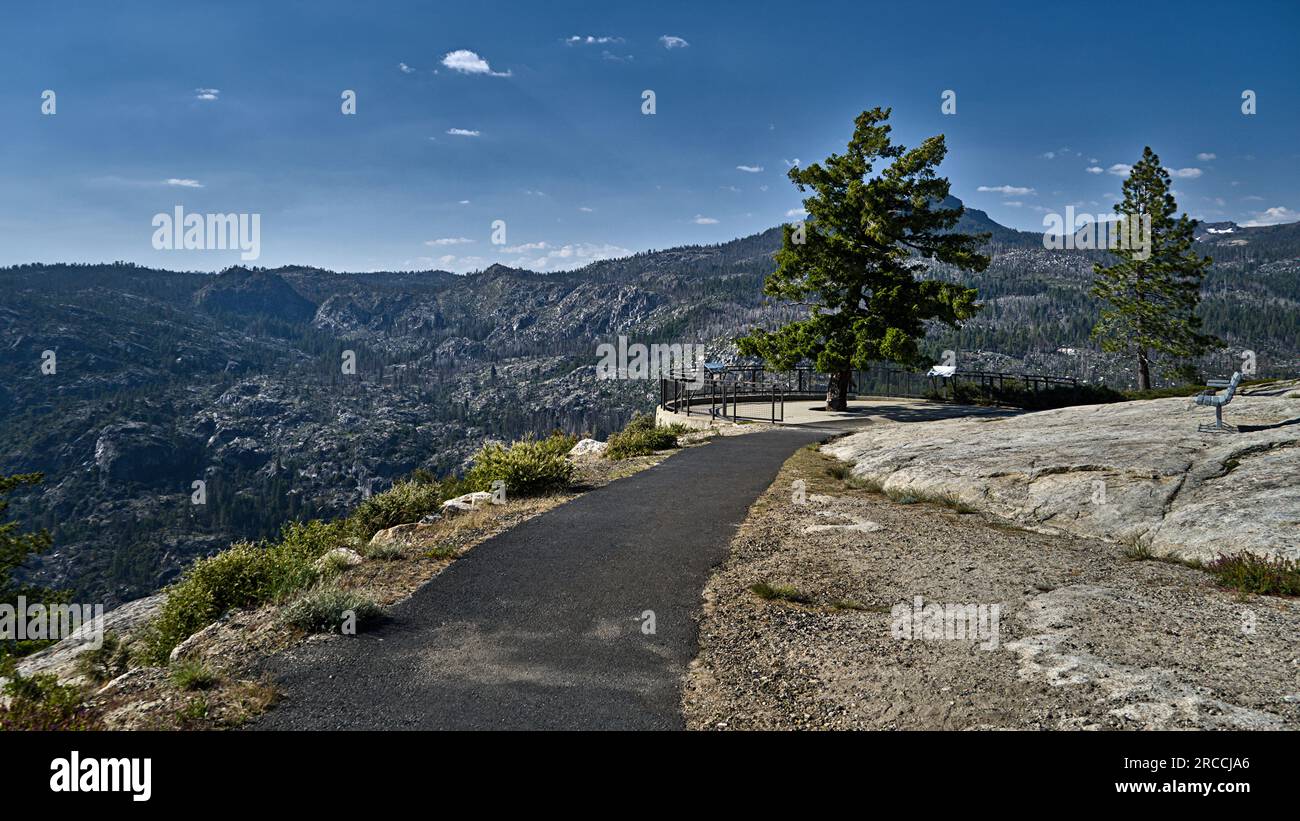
[184,183]
[1184,173]
[1006,190]
[1095,169]
[799,213]
[591,40]
[1206,156]
[207,93]
[1273,216]
[750,169]
[1120,169]
[405,69]
[669,41]
[468,62]
[702,220]
[448,241]
[462,132]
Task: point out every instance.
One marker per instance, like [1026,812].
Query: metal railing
[724,389]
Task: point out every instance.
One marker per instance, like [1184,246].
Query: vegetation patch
[330,610]
[193,675]
[1251,573]
[642,437]
[779,592]
[40,702]
[526,468]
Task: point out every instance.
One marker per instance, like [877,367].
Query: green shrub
[193,675]
[642,437]
[527,468]
[323,610]
[1250,573]
[246,575]
[401,504]
[106,662]
[779,592]
[40,702]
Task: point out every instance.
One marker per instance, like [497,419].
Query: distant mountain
[164,378]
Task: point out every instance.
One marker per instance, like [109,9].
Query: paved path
[540,627]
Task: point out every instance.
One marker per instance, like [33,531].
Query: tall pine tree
[855,262]
[1151,294]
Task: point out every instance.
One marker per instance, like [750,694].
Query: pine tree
[15,548]
[855,262]
[1151,293]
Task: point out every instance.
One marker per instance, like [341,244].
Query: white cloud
[1206,156]
[462,132]
[702,220]
[606,54]
[448,241]
[584,209]
[1048,155]
[1094,169]
[1184,173]
[589,40]
[671,42]
[405,69]
[800,213]
[1119,169]
[792,163]
[525,248]
[562,257]
[464,202]
[467,62]
[206,93]
[1013,203]
[1273,216]
[183,183]
[1007,190]
[749,169]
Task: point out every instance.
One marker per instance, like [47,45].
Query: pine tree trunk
[1144,371]
[837,391]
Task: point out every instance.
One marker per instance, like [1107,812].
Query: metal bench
[1217,400]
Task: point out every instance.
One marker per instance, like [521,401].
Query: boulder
[466,503]
[400,534]
[1138,473]
[588,447]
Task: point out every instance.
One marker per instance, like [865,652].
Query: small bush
[40,702]
[193,675]
[403,503]
[527,468]
[1261,575]
[246,575]
[325,610]
[642,437]
[106,662]
[387,552]
[782,592]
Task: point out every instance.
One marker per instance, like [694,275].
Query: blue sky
[235,108]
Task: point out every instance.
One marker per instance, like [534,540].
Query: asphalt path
[580,618]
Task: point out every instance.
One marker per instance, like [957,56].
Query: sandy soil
[1086,638]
